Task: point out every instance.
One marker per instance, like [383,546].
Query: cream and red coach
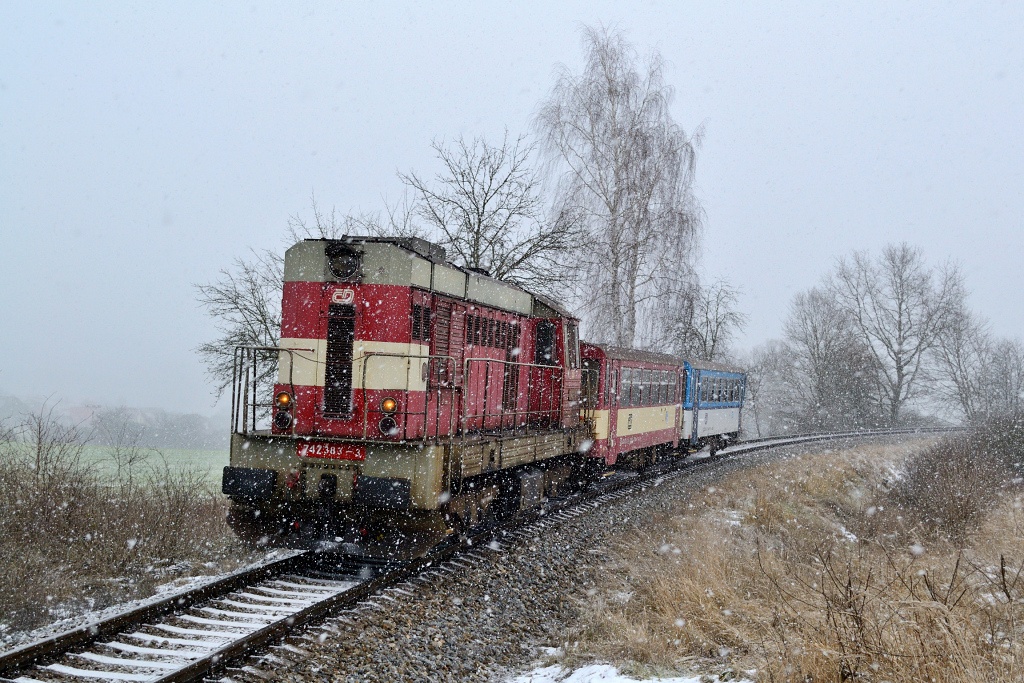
[412,397]
[646,405]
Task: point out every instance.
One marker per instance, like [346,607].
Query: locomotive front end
[332,453]
[407,399]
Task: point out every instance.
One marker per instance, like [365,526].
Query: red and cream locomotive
[414,398]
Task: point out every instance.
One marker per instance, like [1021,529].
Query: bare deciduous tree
[961,357]
[900,308]
[832,374]
[1006,378]
[245,301]
[768,396]
[485,208]
[627,169]
[979,375]
[705,328]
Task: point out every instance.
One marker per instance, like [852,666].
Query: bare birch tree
[900,308]
[627,169]
[485,208]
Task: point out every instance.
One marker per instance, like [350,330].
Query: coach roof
[637,356]
[711,365]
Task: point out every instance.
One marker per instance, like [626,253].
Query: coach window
[610,385]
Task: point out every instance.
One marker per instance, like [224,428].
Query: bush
[786,568]
[71,540]
[948,488]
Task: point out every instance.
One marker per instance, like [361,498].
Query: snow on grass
[605,673]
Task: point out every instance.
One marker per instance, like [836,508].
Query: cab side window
[545,343]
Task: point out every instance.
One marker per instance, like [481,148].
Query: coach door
[572,377]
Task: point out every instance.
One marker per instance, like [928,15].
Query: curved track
[194,634]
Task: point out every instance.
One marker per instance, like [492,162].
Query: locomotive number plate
[334,451]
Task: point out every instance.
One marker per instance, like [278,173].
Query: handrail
[544,400]
[554,395]
[426,399]
[245,380]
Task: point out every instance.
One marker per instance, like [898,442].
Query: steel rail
[32,653]
[215,660]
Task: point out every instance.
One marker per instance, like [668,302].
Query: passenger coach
[645,405]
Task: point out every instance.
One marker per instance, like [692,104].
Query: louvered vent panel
[341,329]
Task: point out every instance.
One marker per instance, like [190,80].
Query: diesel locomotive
[409,399]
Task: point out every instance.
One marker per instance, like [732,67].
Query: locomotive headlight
[283,400]
[388,426]
[389,406]
[283,420]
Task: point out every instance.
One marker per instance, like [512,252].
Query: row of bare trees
[599,213]
[881,341]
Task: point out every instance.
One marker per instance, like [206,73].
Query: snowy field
[209,463]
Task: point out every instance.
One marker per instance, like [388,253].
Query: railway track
[195,634]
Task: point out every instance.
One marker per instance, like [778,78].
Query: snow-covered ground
[179,586]
[605,673]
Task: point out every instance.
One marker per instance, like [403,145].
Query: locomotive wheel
[506,505]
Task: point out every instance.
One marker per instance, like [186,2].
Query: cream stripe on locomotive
[307,364]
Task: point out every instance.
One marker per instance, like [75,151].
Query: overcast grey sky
[144,145]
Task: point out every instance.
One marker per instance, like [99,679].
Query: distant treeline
[153,427]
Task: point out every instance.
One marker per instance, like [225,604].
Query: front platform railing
[254,374]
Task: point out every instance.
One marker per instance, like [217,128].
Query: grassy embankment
[83,527]
[871,563]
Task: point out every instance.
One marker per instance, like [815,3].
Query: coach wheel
[713,445]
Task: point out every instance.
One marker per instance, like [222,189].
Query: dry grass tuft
[823,568]
[71,540]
